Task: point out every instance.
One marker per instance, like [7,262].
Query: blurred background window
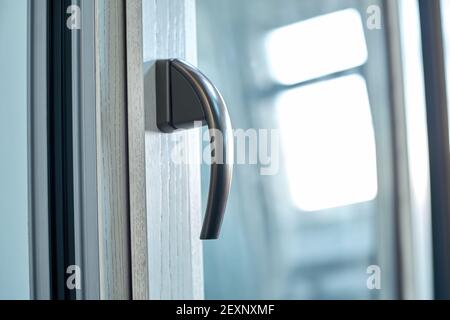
[328,142]
[316,47]
[326,127]
[316,73]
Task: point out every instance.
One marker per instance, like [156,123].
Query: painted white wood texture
[112,150]
[173,189]
[136,149]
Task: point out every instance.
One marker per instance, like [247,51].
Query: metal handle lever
[183,96]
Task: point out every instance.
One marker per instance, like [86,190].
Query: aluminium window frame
[62,151]
[438,141]
[37,151]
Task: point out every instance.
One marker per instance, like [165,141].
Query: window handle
[185,96]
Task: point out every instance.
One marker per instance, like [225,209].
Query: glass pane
[313,216]
[14,256]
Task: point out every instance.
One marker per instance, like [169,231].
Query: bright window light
[316,47]
[328,143]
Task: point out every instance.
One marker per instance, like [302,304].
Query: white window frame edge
[37,151]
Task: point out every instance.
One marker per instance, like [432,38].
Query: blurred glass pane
[14,255]
[316,47]
[335,155]
[328,143]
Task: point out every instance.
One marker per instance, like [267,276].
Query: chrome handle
[184,95]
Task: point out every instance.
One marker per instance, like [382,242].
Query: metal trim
[37,150]
[438,141]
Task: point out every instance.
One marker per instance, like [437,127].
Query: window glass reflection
[316,47]
[315,228]
[328,143]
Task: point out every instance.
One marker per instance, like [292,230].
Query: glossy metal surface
[185,95]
